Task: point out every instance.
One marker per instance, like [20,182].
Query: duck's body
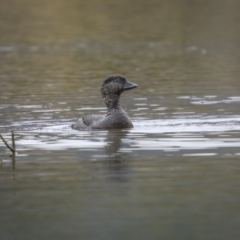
[116,117]
[114,120]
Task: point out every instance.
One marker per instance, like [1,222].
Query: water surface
[175,175]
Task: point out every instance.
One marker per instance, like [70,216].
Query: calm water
[175,175]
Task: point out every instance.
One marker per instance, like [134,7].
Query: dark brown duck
[116,117]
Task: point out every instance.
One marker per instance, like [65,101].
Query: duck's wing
[114,120]
[85,123]
[90,119]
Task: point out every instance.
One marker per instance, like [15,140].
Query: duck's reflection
[116,166]
[114,138]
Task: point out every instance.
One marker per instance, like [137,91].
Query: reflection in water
[114,138]
[115,164]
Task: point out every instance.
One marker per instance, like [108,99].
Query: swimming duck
[116,117]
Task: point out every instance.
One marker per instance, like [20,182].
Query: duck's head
[116,85]
[112,88]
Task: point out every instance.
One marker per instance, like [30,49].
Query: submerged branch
[13,141]
[12,149]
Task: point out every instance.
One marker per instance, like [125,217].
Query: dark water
[175,175]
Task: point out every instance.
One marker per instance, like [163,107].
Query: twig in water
[12,149]
[13,141]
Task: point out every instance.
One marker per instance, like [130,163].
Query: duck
[116,117]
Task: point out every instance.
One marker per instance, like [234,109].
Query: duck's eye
[117,81]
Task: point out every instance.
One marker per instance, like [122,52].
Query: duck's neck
[112,102]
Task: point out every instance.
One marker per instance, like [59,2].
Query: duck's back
[115,119]
[86,121]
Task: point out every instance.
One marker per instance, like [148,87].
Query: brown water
[175,175]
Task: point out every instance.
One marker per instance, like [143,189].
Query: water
[175,175]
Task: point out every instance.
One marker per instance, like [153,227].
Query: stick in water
[12,149]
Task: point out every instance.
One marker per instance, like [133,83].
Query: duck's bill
[129,85]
